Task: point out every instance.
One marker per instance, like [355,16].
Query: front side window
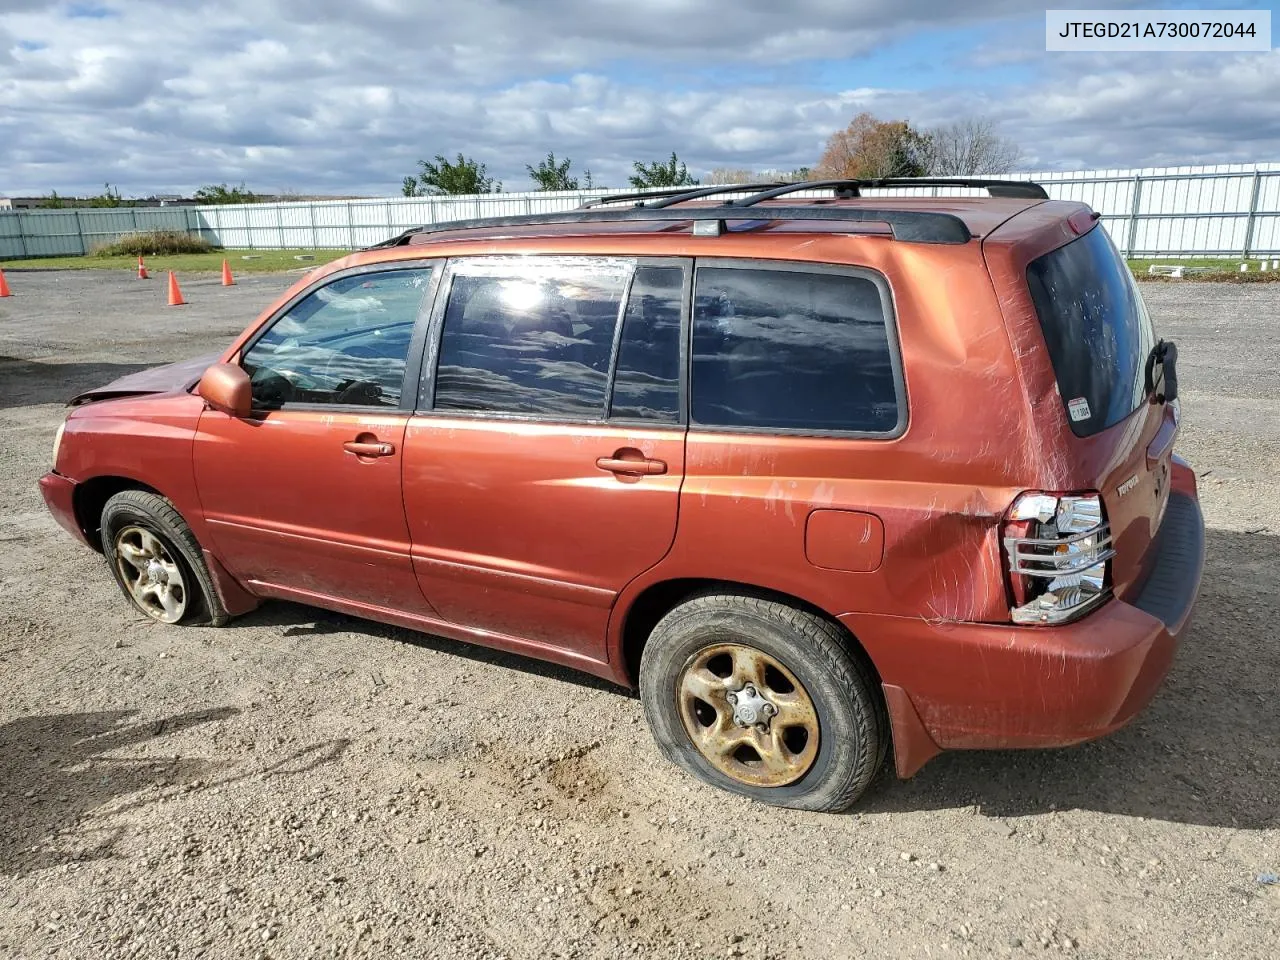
[345,343]
[792,350]
[531,338]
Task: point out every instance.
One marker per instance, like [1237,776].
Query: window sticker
[1079,409]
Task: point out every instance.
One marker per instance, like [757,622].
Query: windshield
[1096,328]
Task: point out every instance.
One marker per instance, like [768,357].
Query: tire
[145,527]
[686,651]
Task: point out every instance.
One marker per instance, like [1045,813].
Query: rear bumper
[971,685]
[59,496]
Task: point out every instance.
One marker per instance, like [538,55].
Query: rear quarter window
[804,351]
[1096,328]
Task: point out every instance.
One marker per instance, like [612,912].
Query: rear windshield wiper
[1165,355]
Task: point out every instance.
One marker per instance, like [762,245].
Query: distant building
[70,203]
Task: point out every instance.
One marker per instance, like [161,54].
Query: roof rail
[1019,189]
[665,198]
[918,226]
[639,195]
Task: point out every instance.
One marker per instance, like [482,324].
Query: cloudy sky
[343,96]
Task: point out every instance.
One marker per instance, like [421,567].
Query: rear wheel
[763,699]
[157,561]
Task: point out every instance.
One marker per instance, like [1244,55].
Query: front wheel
[765,700]
[157,561]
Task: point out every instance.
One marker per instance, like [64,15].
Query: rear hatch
[1101,342]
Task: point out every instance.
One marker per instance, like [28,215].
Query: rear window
[793,350]
[1096,328]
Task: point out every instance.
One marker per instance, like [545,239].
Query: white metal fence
[1171,211]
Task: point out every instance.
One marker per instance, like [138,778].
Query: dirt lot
[302,784]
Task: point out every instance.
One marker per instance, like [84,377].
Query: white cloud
[338,96]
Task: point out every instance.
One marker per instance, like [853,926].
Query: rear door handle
[641,466]
[364,448]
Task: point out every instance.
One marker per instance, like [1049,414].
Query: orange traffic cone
[175,292]
[227,279]
[142,270]
[4,286]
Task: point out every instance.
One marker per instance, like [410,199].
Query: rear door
[1099,337]
[542,469]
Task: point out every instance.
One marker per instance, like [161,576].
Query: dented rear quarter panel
[1068,463]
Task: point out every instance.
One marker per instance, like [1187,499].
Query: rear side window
[531,339]
[793,350]
[1096,328]
[646,385]
[589,338]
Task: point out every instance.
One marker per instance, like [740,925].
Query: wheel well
[658,600]
[92,495]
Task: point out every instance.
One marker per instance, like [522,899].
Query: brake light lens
[1057,548]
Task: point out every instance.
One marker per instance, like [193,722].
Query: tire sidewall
[118,514]
[679,637]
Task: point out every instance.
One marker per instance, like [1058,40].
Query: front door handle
[369,448]
[633,462]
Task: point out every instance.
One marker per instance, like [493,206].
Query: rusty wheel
[748,715]
[763,699]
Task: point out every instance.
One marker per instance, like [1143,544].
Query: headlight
[57,443]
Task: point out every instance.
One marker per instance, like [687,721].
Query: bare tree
[722,176]
[968,147]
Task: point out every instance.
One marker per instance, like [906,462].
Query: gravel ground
[303,784]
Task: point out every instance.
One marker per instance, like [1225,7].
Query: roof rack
[665,198]
[641,195]
[846,189]
[918,226]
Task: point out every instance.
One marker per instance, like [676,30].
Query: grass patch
[153,243]
[263,261]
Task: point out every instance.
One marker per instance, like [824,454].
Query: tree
[454,177]
[968,147]
[670,173]
[221,193]
[551,174]
[409,187]
[869,148]
[52,201]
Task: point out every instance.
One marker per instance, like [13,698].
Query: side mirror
[226,387]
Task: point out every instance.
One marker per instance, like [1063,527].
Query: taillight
[1057,548]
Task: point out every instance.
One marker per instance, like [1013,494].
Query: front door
[305,494]
[543,469]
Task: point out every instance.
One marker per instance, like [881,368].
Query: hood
[182,375]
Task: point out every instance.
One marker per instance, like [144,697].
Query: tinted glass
[533,339]
[646,385]
[1096,328]
[345,343]
[791,350]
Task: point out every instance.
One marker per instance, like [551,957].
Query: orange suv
[820,476]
